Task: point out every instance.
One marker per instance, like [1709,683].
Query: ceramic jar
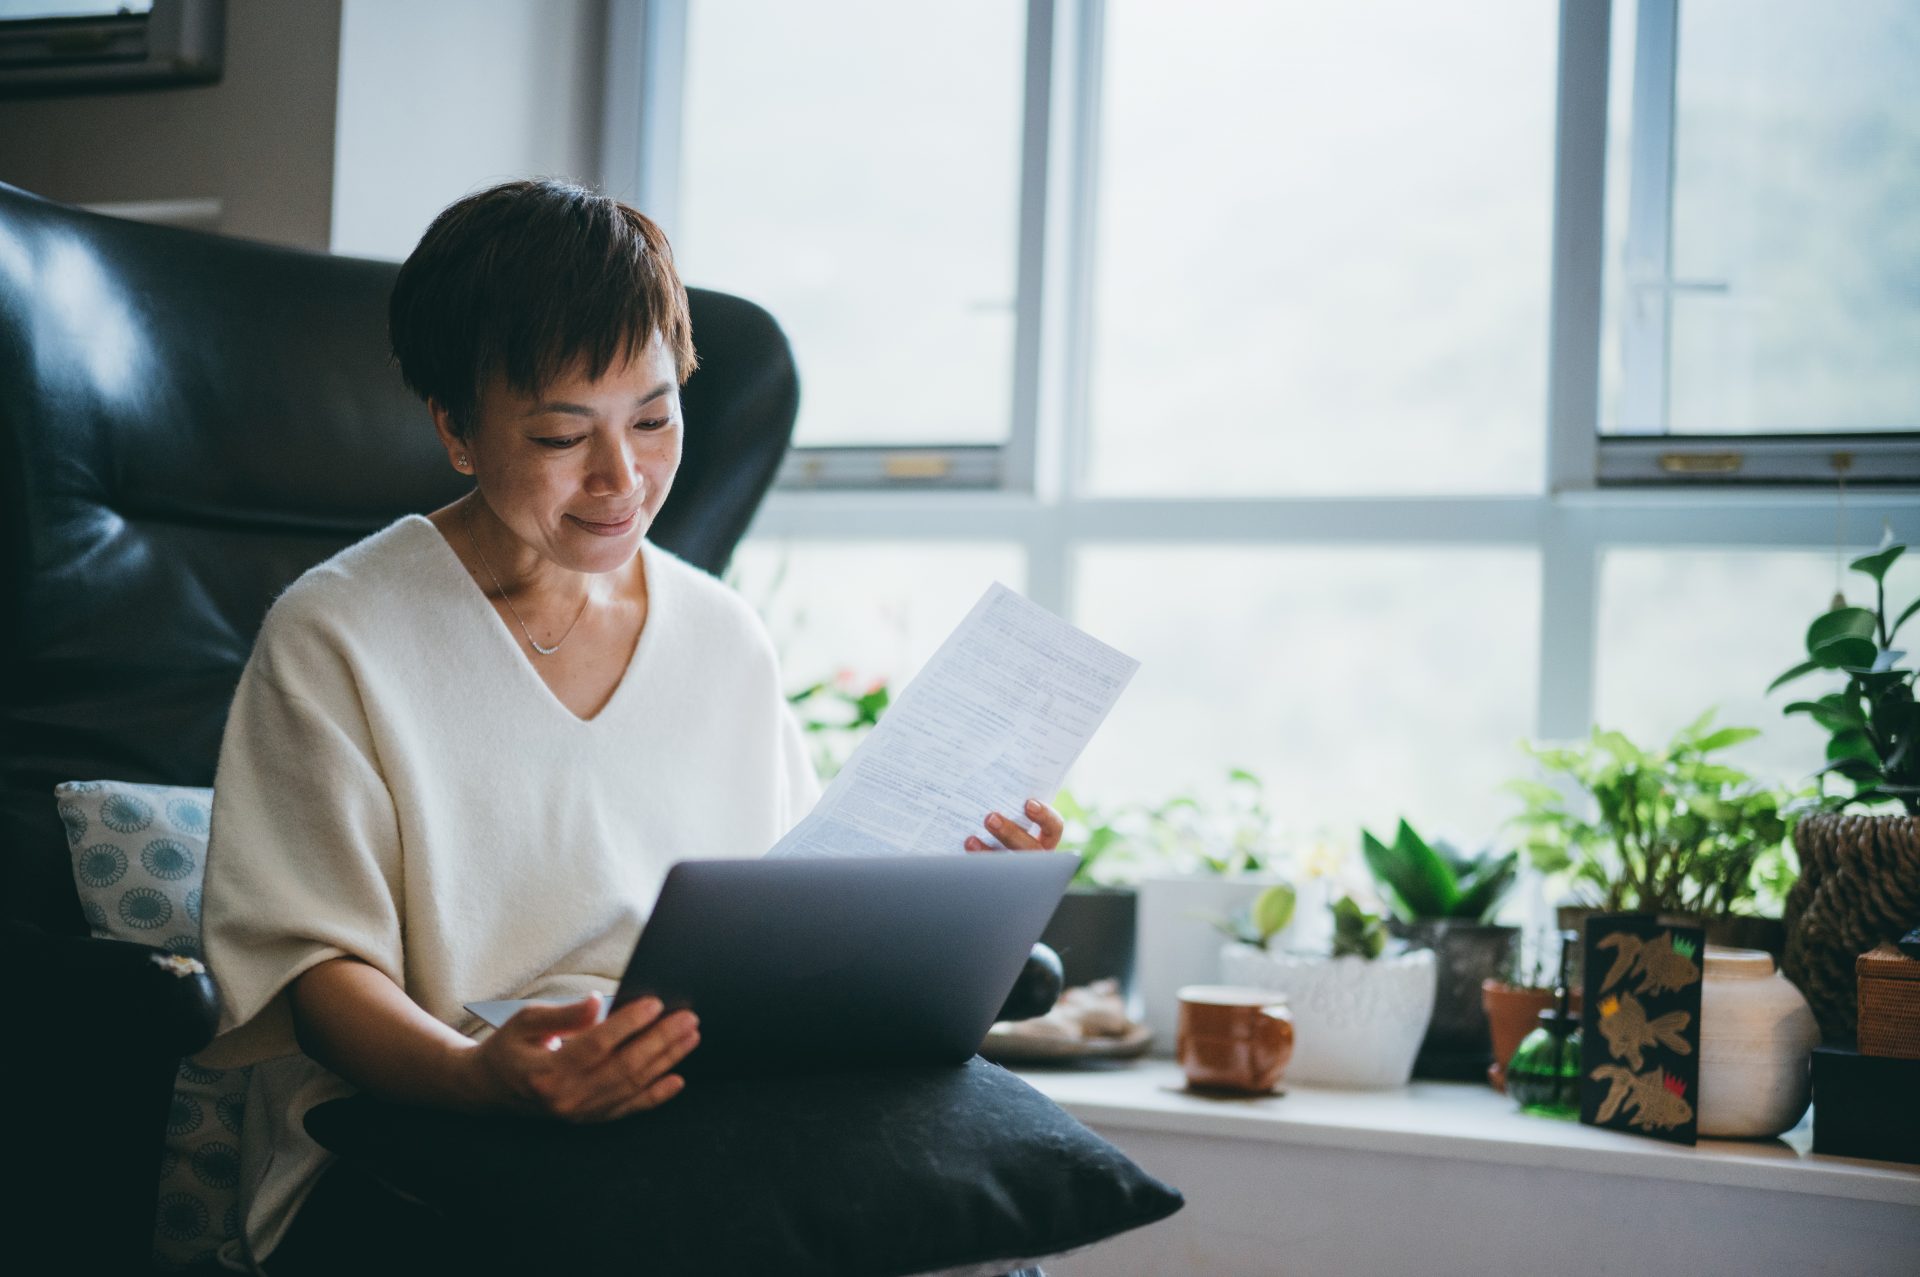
[1757,1036]
[1356,1023]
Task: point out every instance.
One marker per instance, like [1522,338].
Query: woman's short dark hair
[530,278]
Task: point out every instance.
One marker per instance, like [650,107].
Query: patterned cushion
[139,852]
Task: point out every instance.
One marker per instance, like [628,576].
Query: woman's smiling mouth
[607,529]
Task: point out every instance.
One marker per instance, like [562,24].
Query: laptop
[811,964]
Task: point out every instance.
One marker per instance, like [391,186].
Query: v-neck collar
[506,643]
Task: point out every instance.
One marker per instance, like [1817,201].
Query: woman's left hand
[1012,836]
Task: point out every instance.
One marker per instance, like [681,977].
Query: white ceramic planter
[1356,1024]
[1175,945]
[1757,1036]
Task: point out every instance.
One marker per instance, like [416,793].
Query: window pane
[853,165]
[1795,291]
[1684,629]
[862,609]
[1359,685]
[1323,247]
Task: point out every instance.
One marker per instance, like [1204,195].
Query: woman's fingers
[1050,823]
[653,1097]
[1015,837]
[597,1044]
[637,1068]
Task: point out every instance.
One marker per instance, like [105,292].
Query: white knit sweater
[396,783]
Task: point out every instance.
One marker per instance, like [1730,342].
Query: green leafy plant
[1234,834]
[837,715]
[1421,880]
[1872,721]
[1096,835]
[1356,932]
[1263,918]
[1671,830]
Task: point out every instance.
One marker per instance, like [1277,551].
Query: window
[1766,169]
[1320,355]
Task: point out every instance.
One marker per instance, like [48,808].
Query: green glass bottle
[1544,1075]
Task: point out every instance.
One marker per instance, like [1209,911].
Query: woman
[465,750]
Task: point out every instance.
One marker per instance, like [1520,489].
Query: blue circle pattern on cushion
[101,865]
[217,1165]
[184,1114]
[144,908]
[123,813]
[167,860]
[188,816]
[183,1216]
[76,822]
[199,1074]
[197,1206]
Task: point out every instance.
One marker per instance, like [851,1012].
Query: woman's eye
[656,424]
[558,443]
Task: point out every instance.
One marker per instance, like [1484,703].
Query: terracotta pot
[1512,1013]
[1859,886]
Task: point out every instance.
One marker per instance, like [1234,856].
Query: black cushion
[867,1174]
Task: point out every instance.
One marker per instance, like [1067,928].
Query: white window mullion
[1648,300]
[1579,238]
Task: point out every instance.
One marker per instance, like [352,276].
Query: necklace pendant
[545,651]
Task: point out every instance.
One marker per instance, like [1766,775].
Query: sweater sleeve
[303,857]
[800,782]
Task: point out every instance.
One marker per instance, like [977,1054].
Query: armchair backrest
[187,423]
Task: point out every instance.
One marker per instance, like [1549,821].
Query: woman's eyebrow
[582,410]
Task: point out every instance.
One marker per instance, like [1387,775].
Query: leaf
[1244,777]
[1911,609]
[1619,746]
[1846,652]
[1273,910]
[1842,622]
[1426,881]
[1534,792]
[1384,862]
[1725,737]
[1876,564]
[1699,724]
[1835,713]
[1804,667]
[1851,743]
[1482,895]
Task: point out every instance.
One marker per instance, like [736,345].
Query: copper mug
[1232,1038]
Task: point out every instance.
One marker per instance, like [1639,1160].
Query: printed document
[996,717]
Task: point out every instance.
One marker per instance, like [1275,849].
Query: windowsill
[1460,1120]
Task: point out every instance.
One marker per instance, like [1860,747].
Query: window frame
[1589,502]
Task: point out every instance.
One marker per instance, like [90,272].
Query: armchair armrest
[99,1027]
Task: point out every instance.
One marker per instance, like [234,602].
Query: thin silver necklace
[533,642]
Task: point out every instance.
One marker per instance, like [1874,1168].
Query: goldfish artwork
[1664,963]
[1624,1023]
[1653,1099]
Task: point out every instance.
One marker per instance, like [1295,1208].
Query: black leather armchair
[188,423]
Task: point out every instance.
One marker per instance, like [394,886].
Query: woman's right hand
[564,1061]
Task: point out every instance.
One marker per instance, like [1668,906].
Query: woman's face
[580,473]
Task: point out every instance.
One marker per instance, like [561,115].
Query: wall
[260,142]
[431,109]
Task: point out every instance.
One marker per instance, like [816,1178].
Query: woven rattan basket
[1859,885]
[1889,1003]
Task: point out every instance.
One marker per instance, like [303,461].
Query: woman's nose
[613,472]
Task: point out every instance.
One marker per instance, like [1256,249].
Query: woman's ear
[458,453]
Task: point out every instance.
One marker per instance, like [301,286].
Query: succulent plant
[1422,880]
[1357,932]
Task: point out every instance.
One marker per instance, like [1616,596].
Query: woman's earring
[463,461]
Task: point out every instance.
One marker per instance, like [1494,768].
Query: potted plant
[837,715]
[1514,999]
[1864,839]
[1206,860]
[1665,831]
[1442,899]
[1359,1010]
[1093,928]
